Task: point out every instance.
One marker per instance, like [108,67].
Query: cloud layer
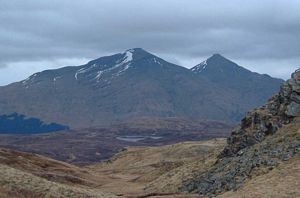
[261,35]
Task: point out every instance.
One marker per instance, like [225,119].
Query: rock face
[266,137]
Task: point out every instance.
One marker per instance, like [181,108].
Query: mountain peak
[215,63]
[138,53]
[216,55]
[109,67]
[137,49]
[219,58]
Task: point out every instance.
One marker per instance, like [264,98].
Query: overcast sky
[261,35]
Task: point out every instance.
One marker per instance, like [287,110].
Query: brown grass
[142,170]
[284,181]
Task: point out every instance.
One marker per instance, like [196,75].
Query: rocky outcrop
[258,124]
[266,137]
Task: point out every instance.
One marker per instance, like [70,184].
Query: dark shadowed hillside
[20,124]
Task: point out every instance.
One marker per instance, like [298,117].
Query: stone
[293,109]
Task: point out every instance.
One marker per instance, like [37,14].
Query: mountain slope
[20,124]
[125,86]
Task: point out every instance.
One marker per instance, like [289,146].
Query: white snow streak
[201,67]
[28,80]
[123,64]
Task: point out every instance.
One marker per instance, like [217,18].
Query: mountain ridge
[132,84]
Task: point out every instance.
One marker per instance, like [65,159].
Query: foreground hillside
[267,139]
[139,172]
[127,174]
[282,181]
[267,169]
[134,84]
[29,176]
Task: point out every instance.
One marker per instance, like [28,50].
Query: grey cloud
[180,30]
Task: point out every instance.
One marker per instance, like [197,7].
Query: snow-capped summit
[98,71]
[215,63]
[106,68]
[95,69]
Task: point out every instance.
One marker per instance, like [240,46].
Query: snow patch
[29,80]
[121,65]
[200,68]
[157,61]
[98,76]
[57,77]
[128,56]
[122,70]
[84,70]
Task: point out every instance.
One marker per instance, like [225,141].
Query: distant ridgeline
[20,124]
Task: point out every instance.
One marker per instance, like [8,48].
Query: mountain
[251,89]
[135,84]
[20,124]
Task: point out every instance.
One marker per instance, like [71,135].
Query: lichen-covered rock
[293,109]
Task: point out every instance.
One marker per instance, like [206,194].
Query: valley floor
[137,172]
